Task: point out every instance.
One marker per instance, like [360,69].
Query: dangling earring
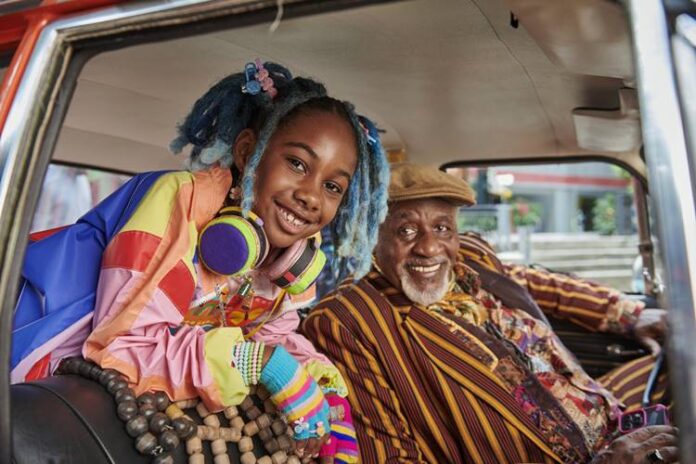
[235,193]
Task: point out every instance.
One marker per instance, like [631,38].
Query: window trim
[38,107]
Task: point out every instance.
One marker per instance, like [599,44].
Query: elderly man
[446,365]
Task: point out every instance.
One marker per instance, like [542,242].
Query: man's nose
[427,245]
[307,194]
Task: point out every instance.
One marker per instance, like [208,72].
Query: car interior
[457,84]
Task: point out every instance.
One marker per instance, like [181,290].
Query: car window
[577,218]
[68,192]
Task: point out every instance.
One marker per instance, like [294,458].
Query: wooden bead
[218,447]
[237,423]
[263,421]
[194,445]
[253,412]
[146,398]
[221,459]
[279,457]
[208,433]
[196,459]
[163,459]
[247,403]
[184,428]
[136,426]
[293,460]
[247,458]
[146,443]
[271,445]
[269,406]
[161,400]
[250,429]
[168,440]
[266,434]
[278,427]
[186,404]
[173,411]
[159,422]
[286,443]
[202,410]
[264,460]
[252,389]
[124,394]
[127,410]
[230,434]
[262,393]
[212,421]
[245,444]
[231,412]
[147,410]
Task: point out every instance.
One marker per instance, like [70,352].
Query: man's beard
[432,293]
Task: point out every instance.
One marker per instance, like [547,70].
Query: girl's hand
[343,445]
[311,446]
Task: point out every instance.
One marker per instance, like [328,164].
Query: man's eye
[297,165]
[334,188]
[407,231]
[443,228]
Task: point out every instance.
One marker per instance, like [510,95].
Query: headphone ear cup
[298,267]
[231,244]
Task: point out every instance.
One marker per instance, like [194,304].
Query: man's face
[417,248]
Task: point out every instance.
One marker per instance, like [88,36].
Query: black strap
[509,292]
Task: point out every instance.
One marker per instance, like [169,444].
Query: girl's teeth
[292,219]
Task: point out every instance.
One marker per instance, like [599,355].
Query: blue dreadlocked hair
[218,117]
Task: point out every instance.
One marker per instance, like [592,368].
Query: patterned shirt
[443,385]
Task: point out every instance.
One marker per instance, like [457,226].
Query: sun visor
[610,130]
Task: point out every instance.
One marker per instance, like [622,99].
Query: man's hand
[654,444]
[651,329]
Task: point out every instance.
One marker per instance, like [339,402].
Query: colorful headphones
[232,245]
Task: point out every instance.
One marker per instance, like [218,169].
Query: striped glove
[296,394]
[343,445]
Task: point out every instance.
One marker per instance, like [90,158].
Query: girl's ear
[243,148]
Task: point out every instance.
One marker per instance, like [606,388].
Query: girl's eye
[297,164]
[333,187]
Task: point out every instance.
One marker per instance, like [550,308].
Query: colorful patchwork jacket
[124,287]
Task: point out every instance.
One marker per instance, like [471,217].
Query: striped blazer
[423,393]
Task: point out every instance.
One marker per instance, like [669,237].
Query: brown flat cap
[411,182]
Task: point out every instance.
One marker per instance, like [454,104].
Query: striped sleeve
[382,429]
[585,303]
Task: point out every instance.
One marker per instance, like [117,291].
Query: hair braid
[218,117]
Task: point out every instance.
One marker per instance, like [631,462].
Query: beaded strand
[159,426]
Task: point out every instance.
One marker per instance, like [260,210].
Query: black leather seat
[68,419]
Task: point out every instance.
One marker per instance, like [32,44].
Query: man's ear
[243,148]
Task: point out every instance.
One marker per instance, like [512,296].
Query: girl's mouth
[289,221]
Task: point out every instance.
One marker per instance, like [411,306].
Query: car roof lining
[448,83]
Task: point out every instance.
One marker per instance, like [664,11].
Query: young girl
[167,313]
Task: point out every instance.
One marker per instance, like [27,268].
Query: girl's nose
[308,196]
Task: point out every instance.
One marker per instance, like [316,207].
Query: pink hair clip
[265,79]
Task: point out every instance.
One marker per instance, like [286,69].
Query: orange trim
[42,234]
[15,72]
[179,286]
[39,370]
[132,249]
[21,30]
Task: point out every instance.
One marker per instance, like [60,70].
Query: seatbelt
[509,292]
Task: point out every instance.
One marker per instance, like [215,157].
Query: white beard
[428,296]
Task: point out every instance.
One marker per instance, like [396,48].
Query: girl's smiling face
[303,174]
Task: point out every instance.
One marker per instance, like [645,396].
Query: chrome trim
[24,155]
[684,48]
[672,195]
